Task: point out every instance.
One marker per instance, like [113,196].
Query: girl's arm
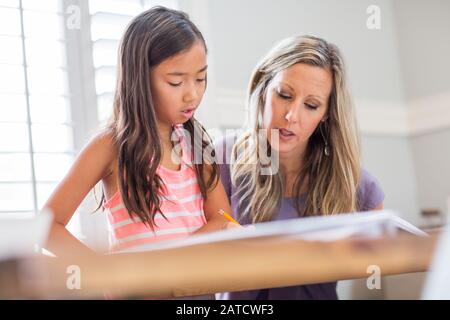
[217,199]
[92,164]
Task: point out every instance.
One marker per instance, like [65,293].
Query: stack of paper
[322,228]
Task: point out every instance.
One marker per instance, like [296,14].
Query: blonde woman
[301,112]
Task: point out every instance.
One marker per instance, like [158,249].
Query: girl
[152,192]
[298,95]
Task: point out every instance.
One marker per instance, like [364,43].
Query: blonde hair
[333,179]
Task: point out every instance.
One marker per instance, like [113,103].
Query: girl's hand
[232,225]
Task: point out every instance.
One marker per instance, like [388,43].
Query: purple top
[369,196]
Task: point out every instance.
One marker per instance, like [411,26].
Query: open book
[322,228]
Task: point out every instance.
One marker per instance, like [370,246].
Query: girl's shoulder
[102,147]
[104,142]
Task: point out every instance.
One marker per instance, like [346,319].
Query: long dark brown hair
[151,37]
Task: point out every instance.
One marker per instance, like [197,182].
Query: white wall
[424,45]
[432,161]
[245,30]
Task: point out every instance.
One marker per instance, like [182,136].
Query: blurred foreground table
[215,267]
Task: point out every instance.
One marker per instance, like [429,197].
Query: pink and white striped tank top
[181,203]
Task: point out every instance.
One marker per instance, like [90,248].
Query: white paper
[322,228]
[19,237]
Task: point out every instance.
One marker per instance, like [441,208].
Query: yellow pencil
[228,217]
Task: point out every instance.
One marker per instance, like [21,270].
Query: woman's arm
[92,164]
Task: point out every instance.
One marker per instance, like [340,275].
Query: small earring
[326,150]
